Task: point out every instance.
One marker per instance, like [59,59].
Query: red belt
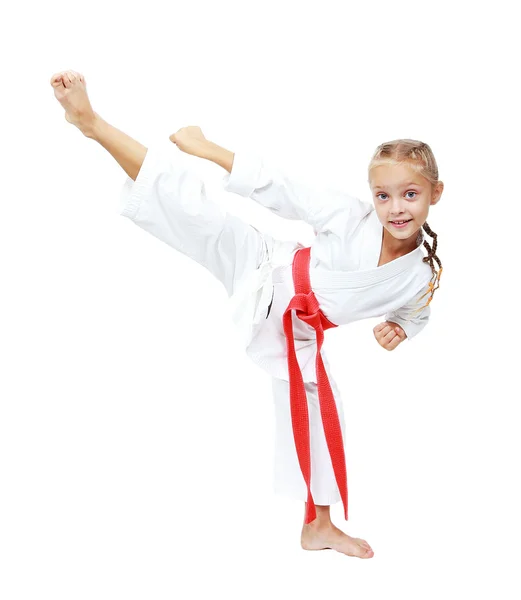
[308,310]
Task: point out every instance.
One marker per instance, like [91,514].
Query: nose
[396,206]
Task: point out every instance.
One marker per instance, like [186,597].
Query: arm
[403,323]
[411,325]
[250,176]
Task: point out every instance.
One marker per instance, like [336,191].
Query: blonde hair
[419,156]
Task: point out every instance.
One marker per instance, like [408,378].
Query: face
[402,194]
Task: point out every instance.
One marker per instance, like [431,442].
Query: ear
[436,194]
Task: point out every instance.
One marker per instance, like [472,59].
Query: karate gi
[169,201]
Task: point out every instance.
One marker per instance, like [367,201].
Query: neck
[398,248]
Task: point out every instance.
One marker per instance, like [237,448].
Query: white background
[136,437]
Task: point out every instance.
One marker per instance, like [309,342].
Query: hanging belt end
[311,512]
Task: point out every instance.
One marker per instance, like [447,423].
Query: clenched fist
[389,334]
[190,140]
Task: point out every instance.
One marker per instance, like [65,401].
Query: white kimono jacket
[169,201]
[344,275]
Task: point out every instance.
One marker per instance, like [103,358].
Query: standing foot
[328,536]
[70,89]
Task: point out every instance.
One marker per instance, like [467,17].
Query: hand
[190,140]
[389,334]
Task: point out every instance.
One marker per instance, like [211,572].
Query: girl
[365,261]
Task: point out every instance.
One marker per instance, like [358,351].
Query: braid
[432,253]
[434,284]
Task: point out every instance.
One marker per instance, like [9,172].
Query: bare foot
[325,536]
[70,89]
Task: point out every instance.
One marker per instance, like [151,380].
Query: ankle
[92,126]
[322,520]
[319,523]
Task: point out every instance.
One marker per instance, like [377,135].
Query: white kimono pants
[230,262]
[171,204]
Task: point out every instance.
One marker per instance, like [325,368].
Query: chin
[402,235]
[397,233]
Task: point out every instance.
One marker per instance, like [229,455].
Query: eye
[408,197]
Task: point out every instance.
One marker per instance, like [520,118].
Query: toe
[366,548]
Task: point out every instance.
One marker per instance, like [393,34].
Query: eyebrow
[379,187]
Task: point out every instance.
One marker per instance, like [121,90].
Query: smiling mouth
[400,222]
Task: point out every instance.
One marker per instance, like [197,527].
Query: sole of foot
[70,89]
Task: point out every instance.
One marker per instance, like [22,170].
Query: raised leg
[165,198]
[70,89]
[129,153]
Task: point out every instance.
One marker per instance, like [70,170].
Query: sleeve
[409,317]
[287,197]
